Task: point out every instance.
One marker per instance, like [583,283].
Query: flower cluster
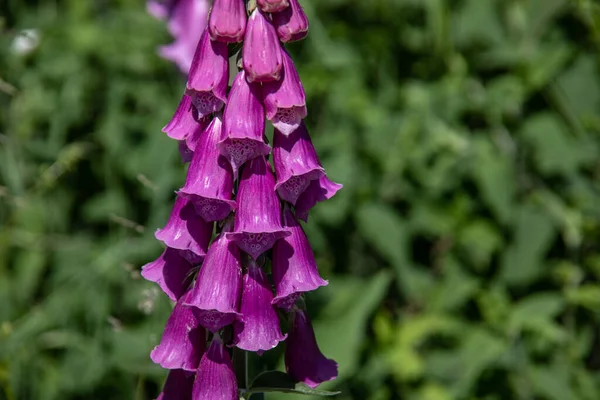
[260,263]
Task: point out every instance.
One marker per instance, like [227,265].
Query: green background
[463,253]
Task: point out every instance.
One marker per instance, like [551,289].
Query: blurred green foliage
[462,254]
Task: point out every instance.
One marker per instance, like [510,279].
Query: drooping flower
[243,124]
[257,329]
[303,359]
[187,19]
[272,5]
[170,271]
[209,183]
[318,190]
[183,122]
[284,100]
[227,21]
[216,293]
[208,77]
[294,267]
[186,232]
[182,342]
[215,379]
[258,218]
[261,54]
[296,163]
[178,385]
[291,24]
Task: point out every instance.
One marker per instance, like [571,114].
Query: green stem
[240,367]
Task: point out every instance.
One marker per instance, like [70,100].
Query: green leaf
[277,381]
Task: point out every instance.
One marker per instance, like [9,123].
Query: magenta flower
[178,385]
[185,152]
[215,379]
[272,5]
[257,329]
[227,21]
[303,359]
[186,232]
[318,190]
[209,73]
[209,183]
[285,102]
[258,218]
[187,19]
[183,122]
[182,342]
[294,267]
[171,272]
[243,124]
[216,294]
[296,163]
[261,54]
[291,24]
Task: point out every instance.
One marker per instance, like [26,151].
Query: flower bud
[291,24]
[261,54]
[227,21]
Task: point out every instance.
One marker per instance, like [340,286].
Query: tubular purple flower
[291,24]
[294,267]
[209,183]
[183,122]
[186,22]
[182,342]
[227,21]
[303,359]
[285,102]
[171,272]
[178,385]
[261,54]
[215,379]
[318,190]
[209,74]
[243,124]
[258,327]
[258,218]
[296,163]
[216,294]
[186,232]
[272,5]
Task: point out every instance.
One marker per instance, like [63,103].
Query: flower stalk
[237,259]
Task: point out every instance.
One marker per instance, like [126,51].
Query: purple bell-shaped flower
[186,232]
[270,6]
[215,379]
[296,163]
[303,359]
[208,77]
[258,218]
[243,124]
[257,329]
[216,293]
[294,267]
[318,190]
[182,342]
[209,183]
[171,271]
[285,102]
